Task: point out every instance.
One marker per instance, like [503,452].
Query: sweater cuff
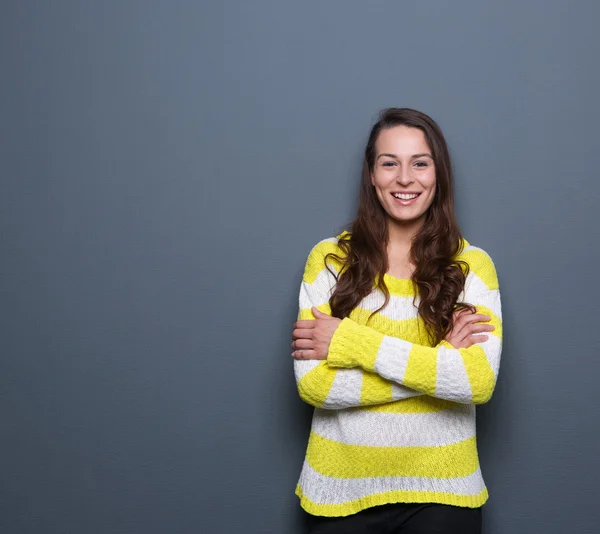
[354,345]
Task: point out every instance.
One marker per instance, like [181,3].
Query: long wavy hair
[439,277]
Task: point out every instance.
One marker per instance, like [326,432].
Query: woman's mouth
[405,199]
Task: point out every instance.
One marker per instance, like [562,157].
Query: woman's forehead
[401,141]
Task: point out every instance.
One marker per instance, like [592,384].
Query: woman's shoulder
[480,263]
[318,256]
[329,244]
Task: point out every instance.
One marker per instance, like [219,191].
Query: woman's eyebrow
[412,157]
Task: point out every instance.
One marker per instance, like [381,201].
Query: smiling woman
[398,338]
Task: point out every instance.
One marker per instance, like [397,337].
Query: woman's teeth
[403,196]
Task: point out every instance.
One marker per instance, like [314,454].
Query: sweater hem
[390,497]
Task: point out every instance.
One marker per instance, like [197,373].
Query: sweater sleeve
[320,384]
[466,376]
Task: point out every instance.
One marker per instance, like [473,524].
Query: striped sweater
[394,417]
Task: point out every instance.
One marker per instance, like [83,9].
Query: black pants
[402,519]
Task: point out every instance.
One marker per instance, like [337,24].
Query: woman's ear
[372,178]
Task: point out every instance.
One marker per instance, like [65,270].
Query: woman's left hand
[312,338]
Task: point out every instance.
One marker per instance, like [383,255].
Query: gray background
[166,168]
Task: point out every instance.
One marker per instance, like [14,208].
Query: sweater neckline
[402,286]
[405,286]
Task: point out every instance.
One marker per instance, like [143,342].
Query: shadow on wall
[496,436]
[287,419]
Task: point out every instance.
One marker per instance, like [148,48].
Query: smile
[405,199]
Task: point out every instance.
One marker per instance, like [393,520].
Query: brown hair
[439,276]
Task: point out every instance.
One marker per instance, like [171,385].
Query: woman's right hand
[468,329]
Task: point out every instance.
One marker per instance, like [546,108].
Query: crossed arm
[347,364]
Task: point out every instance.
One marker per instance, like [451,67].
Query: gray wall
[166,168]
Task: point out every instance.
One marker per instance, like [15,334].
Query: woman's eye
[388,164]
[421,164]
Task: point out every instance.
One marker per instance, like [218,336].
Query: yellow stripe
[375,389]
[352,343]
[316,260]
[412,330]
[481,264]
[388,497]
[481,375]
[400,287]
[421,369]
[478,260]
[307,314]
[316,384]
[494,320]
[340,460]
[422,404]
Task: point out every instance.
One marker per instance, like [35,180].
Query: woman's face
[404,174]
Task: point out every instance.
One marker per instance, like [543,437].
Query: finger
[475,332]
[302,333]
[458,328]
[303,344]
[478,328]
[318,313]
[468,318]
[459,313]
[479,318]
[484,327]
[461,327]
[473,339]
[305,323]
[305,355]
[461,318]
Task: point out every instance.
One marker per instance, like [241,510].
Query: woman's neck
[401,235]
[400,238]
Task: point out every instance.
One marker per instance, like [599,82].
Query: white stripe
[476,290]
[492,348]
[322,489]
[319,292]
[301,367]
[452,377]
[391,361]
[398,307]
[381,429]
[402,392]
[346,389]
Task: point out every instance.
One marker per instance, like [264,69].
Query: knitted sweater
[394,417]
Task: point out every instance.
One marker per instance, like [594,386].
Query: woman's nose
[404,177]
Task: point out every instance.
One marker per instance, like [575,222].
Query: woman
[398,338]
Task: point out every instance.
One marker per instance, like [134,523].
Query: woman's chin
[407,219]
